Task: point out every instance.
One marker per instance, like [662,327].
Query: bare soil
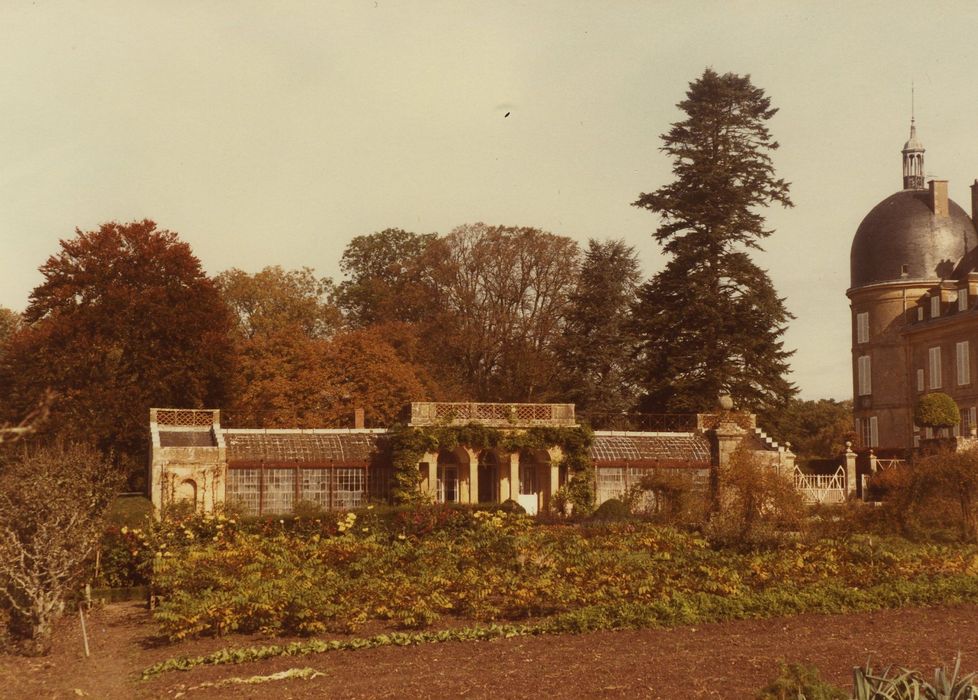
[723,660]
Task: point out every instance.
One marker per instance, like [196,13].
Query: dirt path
[724,660]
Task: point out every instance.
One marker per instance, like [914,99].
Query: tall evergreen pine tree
[711,321]
[597,344]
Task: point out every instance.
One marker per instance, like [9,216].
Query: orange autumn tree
[290,381]
[124,319]
[294,369]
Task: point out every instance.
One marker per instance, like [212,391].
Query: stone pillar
[726,437]
[433,476]
[556,457]
[851,478]
[514,476]
[473,495]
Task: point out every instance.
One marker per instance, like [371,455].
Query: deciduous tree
[502,295]
[275,299]
[125,319]
[10,322]
[52,507]
[385,278]
[816,429]
[289,381]
[711,320]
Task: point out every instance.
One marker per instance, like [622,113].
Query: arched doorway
[186,491]
[488,477]
[534,469]
[449,467]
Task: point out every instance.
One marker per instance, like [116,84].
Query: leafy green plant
[904,684]
[800,682]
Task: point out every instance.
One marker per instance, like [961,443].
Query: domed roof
[902,233]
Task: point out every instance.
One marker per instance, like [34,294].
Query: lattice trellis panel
[184,417]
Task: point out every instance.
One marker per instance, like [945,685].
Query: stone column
[514,476]
[556,456]
[473,476]
[851,478]
[432,476]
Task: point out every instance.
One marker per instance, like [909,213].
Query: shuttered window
[862,327]
[963,299]
[934,355]
[869,431]
[920,380]
[865,377]
[963,353]
[935,306]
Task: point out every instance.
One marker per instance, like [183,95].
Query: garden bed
[729,660]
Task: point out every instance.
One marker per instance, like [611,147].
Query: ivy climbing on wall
[407,445]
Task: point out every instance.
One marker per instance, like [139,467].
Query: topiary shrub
[936,410]
[511,506]
[612,510]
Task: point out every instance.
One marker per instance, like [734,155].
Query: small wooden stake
[81,615]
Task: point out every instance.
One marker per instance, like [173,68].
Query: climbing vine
[407,445]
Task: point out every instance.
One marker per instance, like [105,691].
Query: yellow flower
[124,530]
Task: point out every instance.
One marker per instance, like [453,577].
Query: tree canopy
[289,381]
[597,343]
[385,277]
[501,295]
[125,319]
[711,321]
[275,299]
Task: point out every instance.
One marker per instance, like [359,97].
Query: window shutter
[935,368]
[862,327]
[874,436]
[964,364]
[963,299]
[935,306]
[865,379]
[920,380]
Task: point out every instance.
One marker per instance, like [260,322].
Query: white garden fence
[822,488]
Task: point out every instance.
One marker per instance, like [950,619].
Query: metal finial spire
[913,152]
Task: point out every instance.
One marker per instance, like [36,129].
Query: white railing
[822,488]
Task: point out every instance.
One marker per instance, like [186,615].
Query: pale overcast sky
[273,132]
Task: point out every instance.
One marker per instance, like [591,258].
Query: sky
[273,133]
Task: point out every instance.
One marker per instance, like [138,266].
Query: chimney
[938,198]
[358,418]
[974,203]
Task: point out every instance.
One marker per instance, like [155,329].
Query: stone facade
[914,317]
